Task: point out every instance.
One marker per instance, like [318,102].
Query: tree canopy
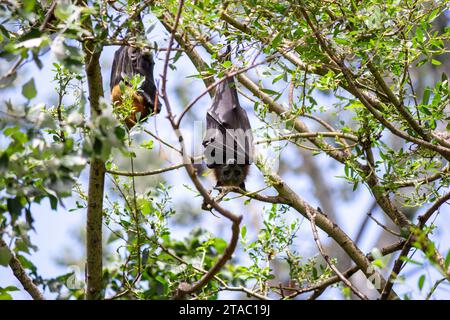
[347,196]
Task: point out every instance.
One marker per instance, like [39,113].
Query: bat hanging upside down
[128,62]
[229,140]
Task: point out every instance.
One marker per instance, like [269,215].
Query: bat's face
[231,175]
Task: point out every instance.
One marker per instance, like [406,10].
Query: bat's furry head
[231,175]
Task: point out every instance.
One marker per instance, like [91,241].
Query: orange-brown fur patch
[138,106]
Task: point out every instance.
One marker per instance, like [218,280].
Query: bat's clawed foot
[223,191]
[206,206]
[228,189]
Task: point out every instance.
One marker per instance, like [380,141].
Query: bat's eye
[237,173]
[226,173]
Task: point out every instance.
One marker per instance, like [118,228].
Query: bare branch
[145,173]
[21,275]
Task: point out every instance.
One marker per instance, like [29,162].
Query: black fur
[226,114]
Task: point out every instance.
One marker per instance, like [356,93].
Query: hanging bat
[229,140]
[129,61]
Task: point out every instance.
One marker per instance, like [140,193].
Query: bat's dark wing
[228,128]
[117,67]
[130,61]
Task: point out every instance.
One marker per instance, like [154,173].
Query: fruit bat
[129,61]
[228,140]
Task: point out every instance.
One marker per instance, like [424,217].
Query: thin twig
[383,226]
[312,216]
[48,16]
[434,288]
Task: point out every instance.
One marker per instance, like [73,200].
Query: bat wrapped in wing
[228,140]
[128,62]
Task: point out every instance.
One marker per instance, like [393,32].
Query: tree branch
[145,173]
[94,266]
[327,226]
[21,275]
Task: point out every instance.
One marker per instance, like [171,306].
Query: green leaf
[14,206]
[447,258]
[29,89]
[341,41]
[5,256]
[426,95]
[147,144]
[5,296]
[20,245]
[268,91]
[27,264]
[421,281]
[4,162]
[116,235]
[378,263]
[63,10]
[277,40]
[4,31]
[119,132]
[53,202]
[11,288]
[220,245]
[408,260]
[244,232]
[227,64]
[419,35]
[436,62]
[161,280]
[29,5]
